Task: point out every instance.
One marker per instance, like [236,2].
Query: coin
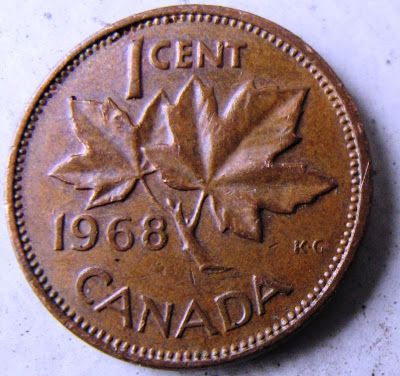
[188,187]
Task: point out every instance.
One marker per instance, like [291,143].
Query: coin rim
[359,222]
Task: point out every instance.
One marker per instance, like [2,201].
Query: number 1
[135,69]
[59,233]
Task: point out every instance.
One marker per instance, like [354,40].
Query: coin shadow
[350,301]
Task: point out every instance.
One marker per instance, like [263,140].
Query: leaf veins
[230,155]
[109,164]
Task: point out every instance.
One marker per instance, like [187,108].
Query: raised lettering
[150,309]
[183,54]
[300,246]
[123,295]
[225,303]
[154,236]
[154,54]
[205,53]
[59,233]
[235,53]
[188,321]
[89,273]
[318,246]
[116,230]
[91,234]
[265,289]
[135,69]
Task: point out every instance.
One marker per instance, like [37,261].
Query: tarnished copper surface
[188,186]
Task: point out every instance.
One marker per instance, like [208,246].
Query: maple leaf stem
[186,229]
[151,194]
[194,220]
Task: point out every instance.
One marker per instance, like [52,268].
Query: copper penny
[188,186]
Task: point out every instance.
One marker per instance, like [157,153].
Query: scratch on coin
[192,279]
[273,245]
[365,174]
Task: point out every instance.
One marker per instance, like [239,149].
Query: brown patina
[188,186]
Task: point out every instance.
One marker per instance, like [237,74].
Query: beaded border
[133,351]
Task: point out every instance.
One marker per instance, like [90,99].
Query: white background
[358,333]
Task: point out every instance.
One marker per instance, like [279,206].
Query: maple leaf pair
[227,155]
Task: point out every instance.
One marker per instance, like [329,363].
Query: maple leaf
[230,156]
[109,164]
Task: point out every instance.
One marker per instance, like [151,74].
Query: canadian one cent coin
[188,186]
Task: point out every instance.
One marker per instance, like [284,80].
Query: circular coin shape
[188,186]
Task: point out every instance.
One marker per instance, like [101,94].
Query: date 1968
[85,231]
